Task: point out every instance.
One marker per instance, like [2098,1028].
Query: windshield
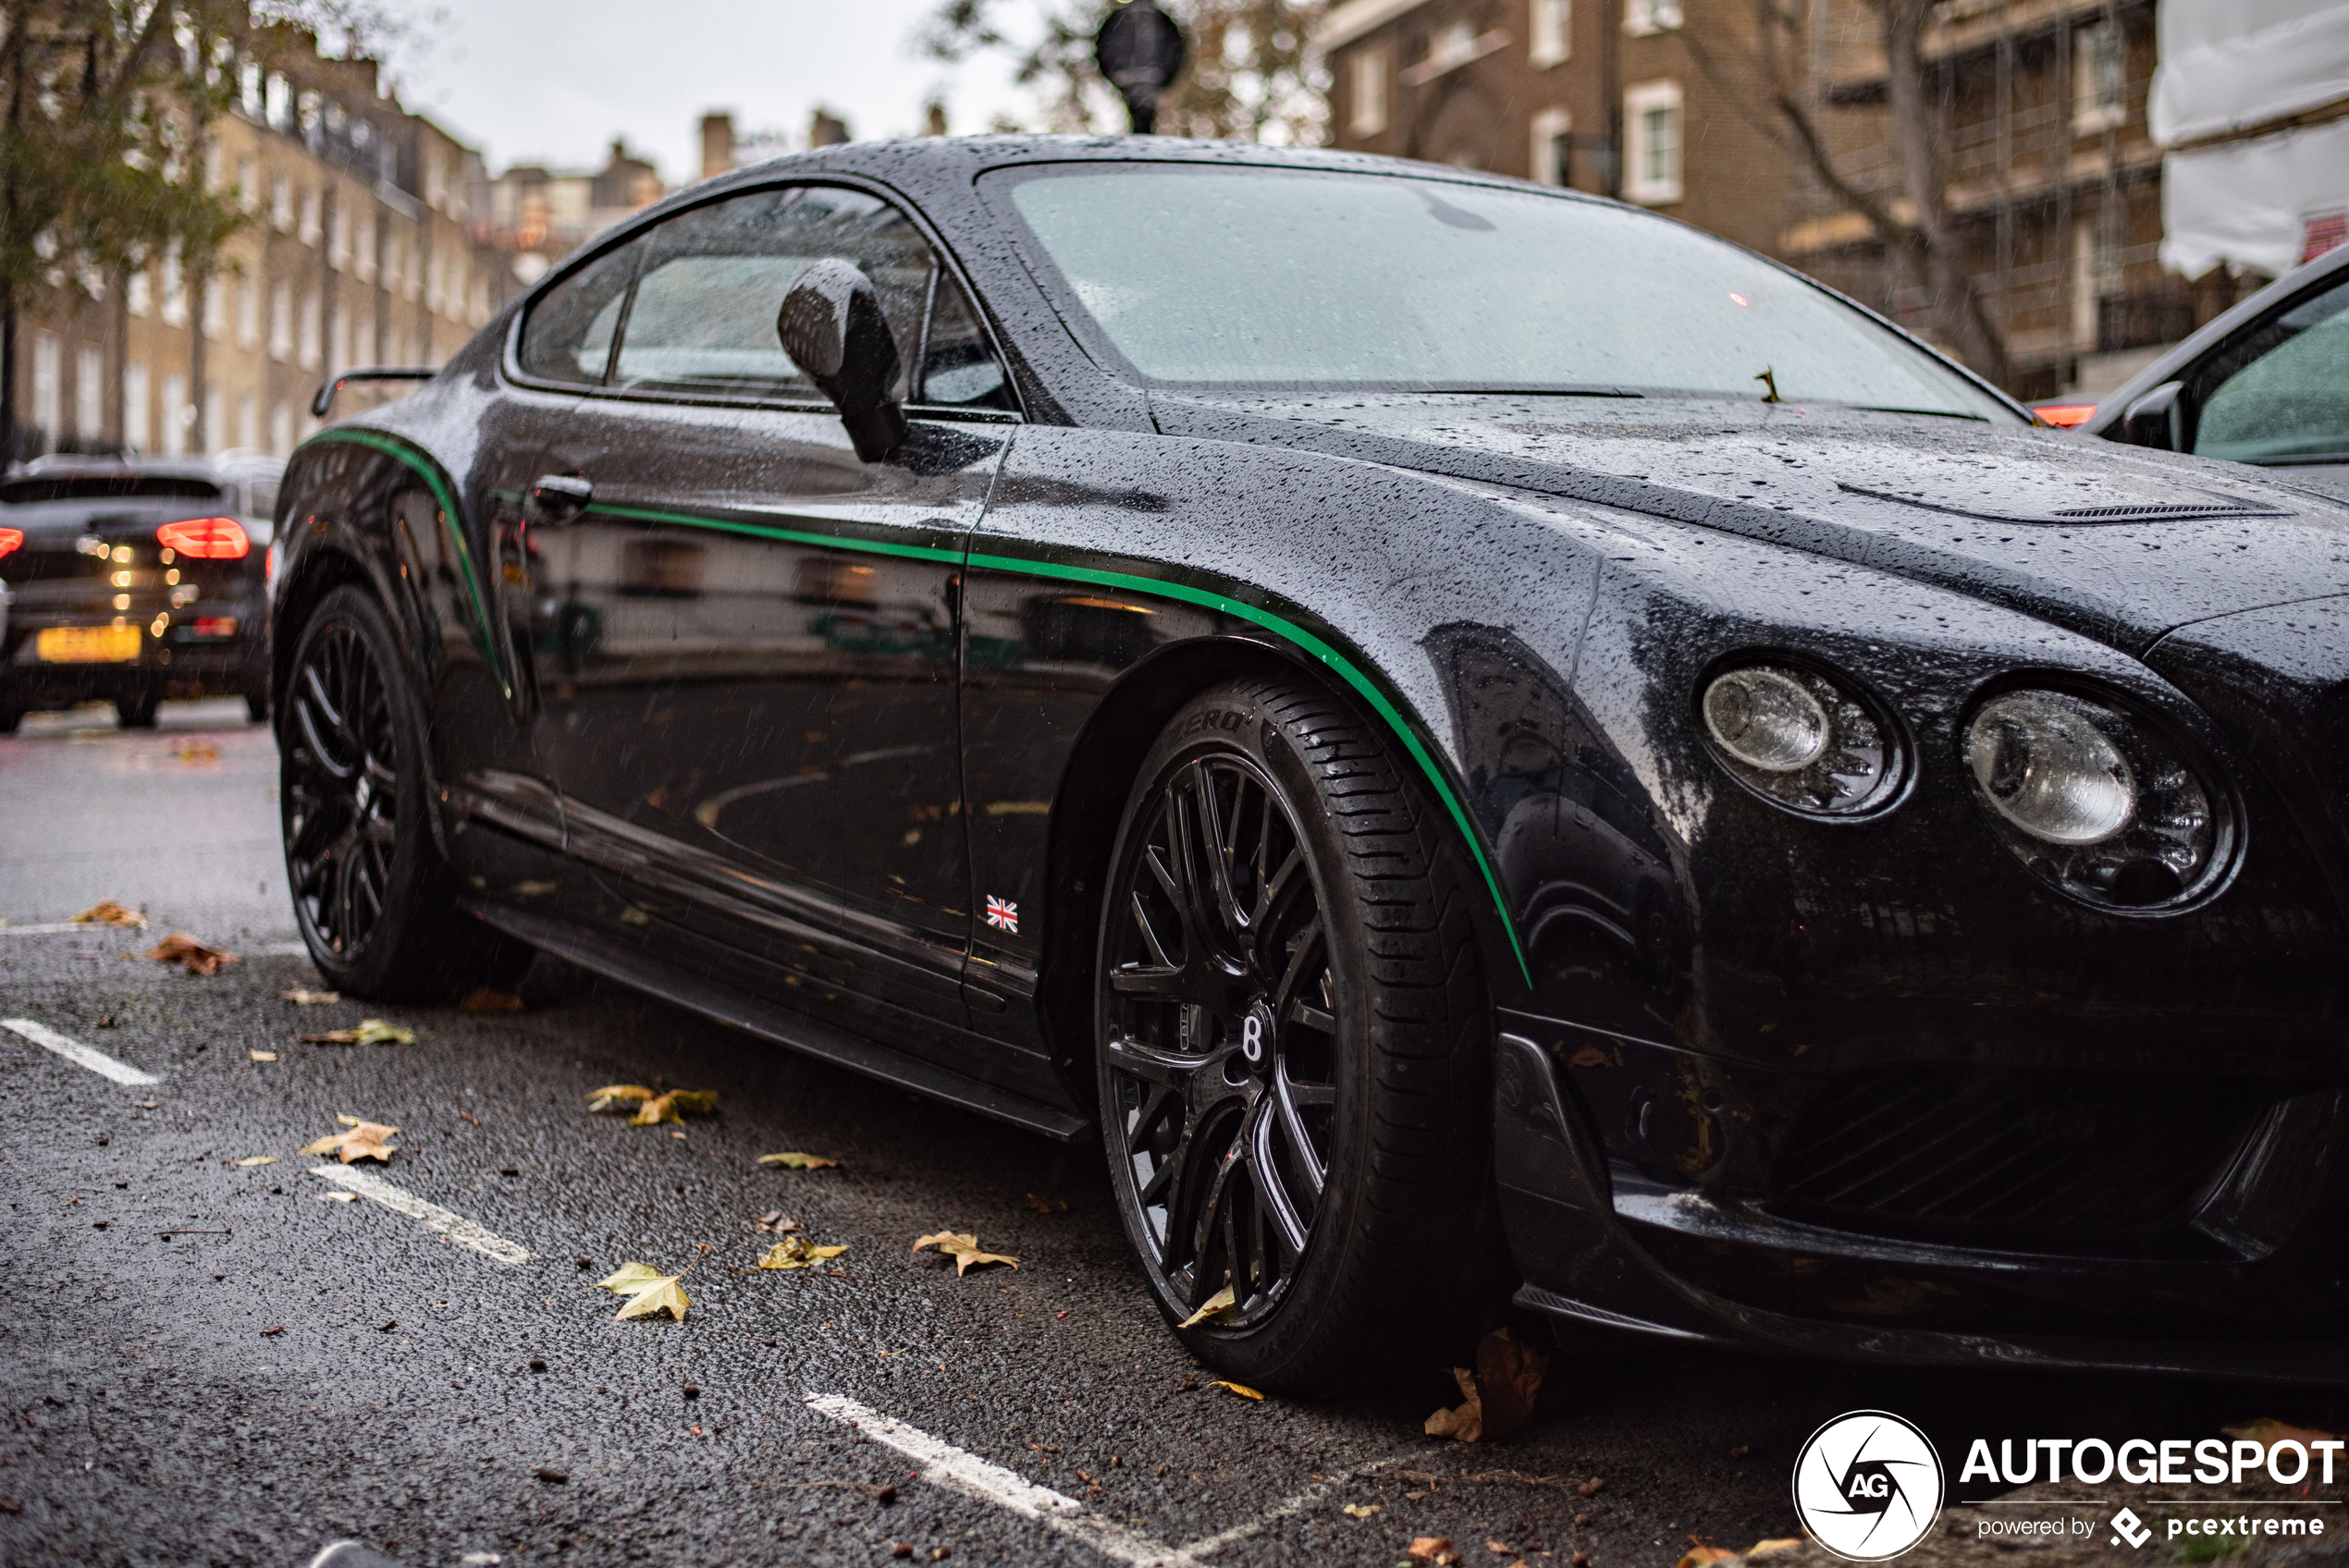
[1281,278]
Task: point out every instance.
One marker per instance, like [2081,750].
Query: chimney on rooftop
[716,144]
[827,130]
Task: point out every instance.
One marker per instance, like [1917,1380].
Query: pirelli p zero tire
[376,904]
[1294,1044]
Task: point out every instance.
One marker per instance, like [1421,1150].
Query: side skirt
[742,1010]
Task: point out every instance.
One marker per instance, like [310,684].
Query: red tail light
[10,539]
[2064,416]
[205,538]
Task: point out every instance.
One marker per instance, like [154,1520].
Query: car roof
[2169,366]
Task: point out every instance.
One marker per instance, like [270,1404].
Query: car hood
[2117,542]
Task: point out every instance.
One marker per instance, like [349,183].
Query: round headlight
[1799,738]
[2044,765]
[2093,797]
[1766,719]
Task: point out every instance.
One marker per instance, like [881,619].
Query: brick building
[357,250]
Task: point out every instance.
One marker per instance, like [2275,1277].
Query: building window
[175,291]
[48,384]
[1551,33]
[1552,161]
[281,342]
[281,204]
[248,310]
[139,295]
[281,429]
[1652,118]
[364,262]
[1366,91]
[134,406]
[312,215]
[215,419]
[175,415]
[308,327]
[249,185]
[2099,84]
[1642,18]
[89,396]
[215,306]
[338,240]
[338,340]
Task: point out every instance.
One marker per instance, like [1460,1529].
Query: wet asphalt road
[287,1369]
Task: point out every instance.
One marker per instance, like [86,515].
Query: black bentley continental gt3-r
[1479,739]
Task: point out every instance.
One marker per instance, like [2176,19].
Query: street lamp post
[1139,49]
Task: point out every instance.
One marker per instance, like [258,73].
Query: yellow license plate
[89,644]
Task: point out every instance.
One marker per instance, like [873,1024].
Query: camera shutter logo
[1868,1486]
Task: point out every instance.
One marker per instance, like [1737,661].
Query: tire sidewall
[1262,1352]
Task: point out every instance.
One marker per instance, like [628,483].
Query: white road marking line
[78,1053]
[59,929]
[455,1226]
[974,1476]
[1318,1492]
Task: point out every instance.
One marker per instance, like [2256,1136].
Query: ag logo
[1867,1486]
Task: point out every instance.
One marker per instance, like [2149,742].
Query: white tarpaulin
[2229,65]
[2252,202]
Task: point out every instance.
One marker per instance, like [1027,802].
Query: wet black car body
[104,607]
[1831,1056]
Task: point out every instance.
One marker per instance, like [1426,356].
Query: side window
[959,367]
[570,332]
[714,280]
[2284,392]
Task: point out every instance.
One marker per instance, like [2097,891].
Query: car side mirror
[2152,419]
[832,328]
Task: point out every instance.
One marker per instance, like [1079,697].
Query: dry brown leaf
[1043,1205]
[963,1247]
[482,999]
[1765,1549]
[1222,1301]
[106,911]
[257,1159]
[1702,1556]
[1431,1549]
[369,1032]
[310,998]
[649,1291]
[1498,1396]
[672,1106]
[776,1222]
[1364,1510]
[793,1159]
[364,1141]
[1240,1389]
[192,955]
[794,1252]
[263,1056]
[196,753]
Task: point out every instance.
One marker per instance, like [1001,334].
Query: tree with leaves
[1773,97]
[1252,75]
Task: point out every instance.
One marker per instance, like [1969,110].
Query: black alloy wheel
[375,904]
[1253,1052]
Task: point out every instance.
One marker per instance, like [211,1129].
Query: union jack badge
[1001,915]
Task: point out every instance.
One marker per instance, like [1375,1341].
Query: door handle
[557,501]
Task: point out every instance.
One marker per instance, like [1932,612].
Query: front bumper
[1601,1243]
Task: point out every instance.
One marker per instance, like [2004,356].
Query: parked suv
[136,580]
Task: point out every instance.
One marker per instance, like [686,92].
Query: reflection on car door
[2278,395]
[751,634]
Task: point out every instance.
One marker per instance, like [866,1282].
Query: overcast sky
[542,81]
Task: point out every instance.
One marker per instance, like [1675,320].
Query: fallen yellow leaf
[192,955]
[1043,1205]
[963,1247]
[648,1292]
[1240,1389]
[1364,1510]
[369,1032]
[672,1106]
[263,1056]
[106,911]
[364,1141]
[793,1160]
[482,999]
[794,1252]
[310,998]
[1222,1301]
[1428,1548]
[258,1160]
[194,752]
[618,1097]
[1764,1549]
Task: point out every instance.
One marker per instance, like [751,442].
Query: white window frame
[1548,125]
[1642,19]
[48,386]
[1639,101]
[1366,80]
[1549,33]
[90,395]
